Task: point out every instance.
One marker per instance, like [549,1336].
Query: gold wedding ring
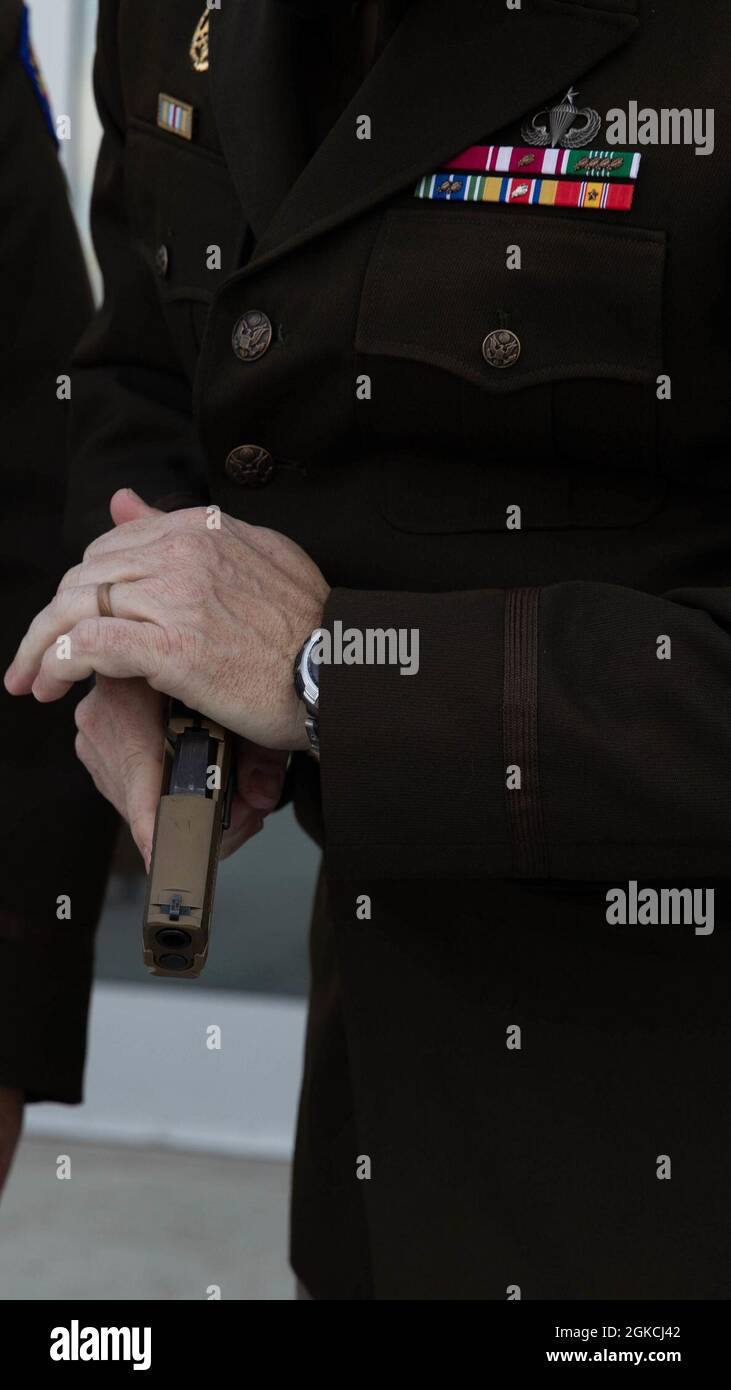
[103,600]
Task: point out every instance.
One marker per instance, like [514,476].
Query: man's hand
[214,617]
[120,742]
[11,1121]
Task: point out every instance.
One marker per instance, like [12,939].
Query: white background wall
[153,1080]
[52,23]
[63,33]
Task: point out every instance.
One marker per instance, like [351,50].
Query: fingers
[127,505]
[125,564]
[120,742]
[63,613]
[77,598]
[124,558]
[260,774]
[245,823]
[101,774]
[107,646]
[142,773]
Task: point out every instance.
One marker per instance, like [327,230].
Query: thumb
[127,506]
[142,796]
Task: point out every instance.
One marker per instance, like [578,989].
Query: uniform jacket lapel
[451,74]
[255,77]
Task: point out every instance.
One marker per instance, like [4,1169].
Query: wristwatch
[307,686]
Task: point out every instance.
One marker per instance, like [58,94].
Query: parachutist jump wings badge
[562,129]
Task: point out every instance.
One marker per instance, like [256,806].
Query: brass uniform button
[162,261]
[250,466]
[252,335]
[501,348]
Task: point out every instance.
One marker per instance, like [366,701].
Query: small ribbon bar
[568,193]
[175,116]
[517,159]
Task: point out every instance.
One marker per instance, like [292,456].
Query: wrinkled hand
[11,1121]
[214,617]
[120,742]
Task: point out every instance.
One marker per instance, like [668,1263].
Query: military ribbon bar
[175,116]
[517,159]
[569,193]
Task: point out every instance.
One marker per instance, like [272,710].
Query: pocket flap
[586,300]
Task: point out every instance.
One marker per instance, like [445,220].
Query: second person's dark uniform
[56,831]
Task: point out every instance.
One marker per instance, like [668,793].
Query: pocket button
[501,348]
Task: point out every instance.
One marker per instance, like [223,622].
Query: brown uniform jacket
[386,445]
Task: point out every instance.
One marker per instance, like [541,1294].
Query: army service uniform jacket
[518,1069]
[56,831]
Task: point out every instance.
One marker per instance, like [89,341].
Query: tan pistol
[194,809]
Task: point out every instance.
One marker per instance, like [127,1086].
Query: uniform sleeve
[131,400]
[579,731]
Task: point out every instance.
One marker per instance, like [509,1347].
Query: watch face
[313,666]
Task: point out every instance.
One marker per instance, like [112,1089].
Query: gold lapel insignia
[199,44]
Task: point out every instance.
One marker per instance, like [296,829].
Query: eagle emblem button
[250,465]
[252,335]
[501,348]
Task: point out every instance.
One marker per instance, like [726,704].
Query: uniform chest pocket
[559,416]
[188,225]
